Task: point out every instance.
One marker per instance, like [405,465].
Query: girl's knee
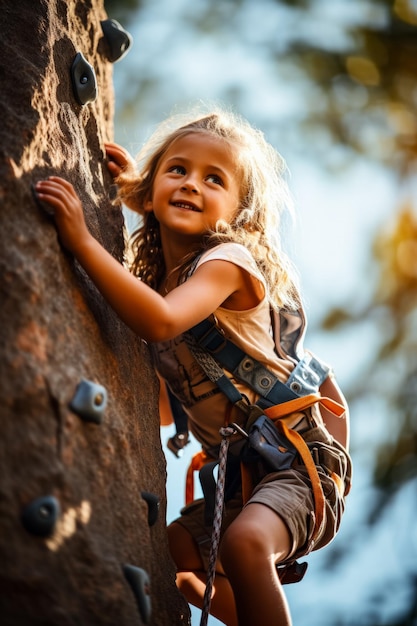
[239,542]
[257,534]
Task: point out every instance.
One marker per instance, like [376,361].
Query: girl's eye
[177,169]
[213,178]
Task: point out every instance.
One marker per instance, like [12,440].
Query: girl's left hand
[118,159]
[67,211]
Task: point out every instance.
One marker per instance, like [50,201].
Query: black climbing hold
[89,401]
[118,39]
[152,501]
[39,516]
[139,582]
[84,81]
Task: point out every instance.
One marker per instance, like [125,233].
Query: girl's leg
[250,548]
[191,576]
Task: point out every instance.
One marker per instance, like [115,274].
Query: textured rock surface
[56,330]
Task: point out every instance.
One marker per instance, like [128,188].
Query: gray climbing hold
[118,39]
[40,516]
[89,401]
[139,582]
[43,206]
[83,77]
[152,501]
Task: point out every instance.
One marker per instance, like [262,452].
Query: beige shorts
[286,492]
[289,496]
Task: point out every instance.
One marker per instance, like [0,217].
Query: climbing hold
[39,516]
[84,81]
[118,38]
[89,401]
[138,579]
[43,206]
[153,506]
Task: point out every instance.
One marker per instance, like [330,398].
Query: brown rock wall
[55,330]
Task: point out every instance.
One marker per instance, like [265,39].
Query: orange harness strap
[298,442]
[300,404]
[277,413]
[199,459]
[319,501]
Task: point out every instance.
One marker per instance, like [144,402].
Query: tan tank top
[251,330]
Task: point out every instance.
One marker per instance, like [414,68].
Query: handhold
[138,579]
[43,206]
[39,516]
[84,81]
[152,501]
[118,38]
[89,401]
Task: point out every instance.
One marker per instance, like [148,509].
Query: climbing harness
[265,430]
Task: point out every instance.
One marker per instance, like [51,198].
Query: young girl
[210,191]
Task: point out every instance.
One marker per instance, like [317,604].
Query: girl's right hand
[118,159]
[67,211]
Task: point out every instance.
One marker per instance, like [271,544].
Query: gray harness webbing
[211,343]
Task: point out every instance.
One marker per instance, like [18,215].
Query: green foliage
[365,92]
[122,10]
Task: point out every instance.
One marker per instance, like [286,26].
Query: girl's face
[196,184]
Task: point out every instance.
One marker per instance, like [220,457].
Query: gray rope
[217,522]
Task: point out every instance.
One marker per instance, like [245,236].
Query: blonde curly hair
[256,225]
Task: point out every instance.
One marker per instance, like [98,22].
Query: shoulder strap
[214,345]
[306,378]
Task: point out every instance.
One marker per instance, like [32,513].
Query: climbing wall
[82,487]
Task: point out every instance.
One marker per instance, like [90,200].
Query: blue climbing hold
[84,83]
[89,401]
[139,582]
[118,39]
[40,516]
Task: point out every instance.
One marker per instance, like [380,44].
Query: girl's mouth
[187,206]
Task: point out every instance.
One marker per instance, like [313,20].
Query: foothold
[40,516]
[138,579]
[118,38]
[152,501]
[84,81]
[89,401]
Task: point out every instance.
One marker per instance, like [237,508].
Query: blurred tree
[365,94]
[380,124]
[122,9]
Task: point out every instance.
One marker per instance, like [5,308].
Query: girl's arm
[152,316]
[165,414]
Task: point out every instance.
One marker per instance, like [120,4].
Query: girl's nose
[189,185]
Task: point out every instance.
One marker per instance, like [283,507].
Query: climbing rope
[226,432]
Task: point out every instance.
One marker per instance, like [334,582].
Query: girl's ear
[148,206]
